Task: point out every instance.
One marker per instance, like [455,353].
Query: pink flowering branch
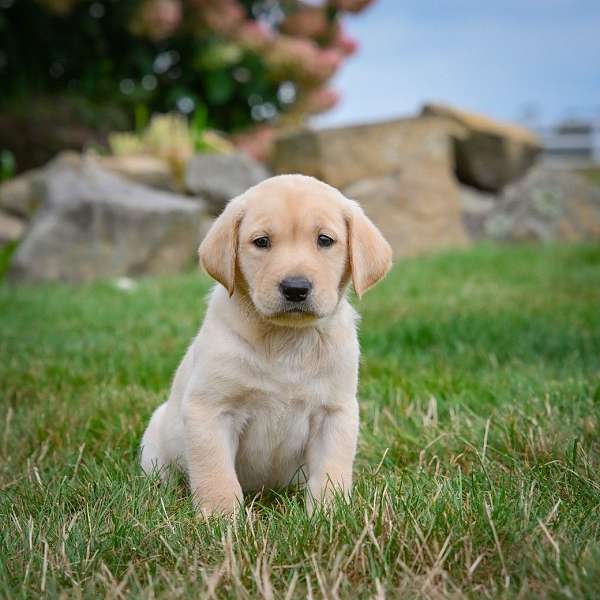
[303,45]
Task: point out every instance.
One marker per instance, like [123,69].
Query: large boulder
[94,224]
[547,204]
[403,171]
[400,171]
[417,208]
[343,155]
[218,178]
[18,195]
[488,154]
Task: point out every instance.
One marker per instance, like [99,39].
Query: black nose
[295,289]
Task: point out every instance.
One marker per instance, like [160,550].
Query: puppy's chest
[275,430]
[288,385]
[272,423]
[297,370]
[285,400]
[280,406]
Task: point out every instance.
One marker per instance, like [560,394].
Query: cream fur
[264,398]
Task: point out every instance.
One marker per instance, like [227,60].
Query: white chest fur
[286,388]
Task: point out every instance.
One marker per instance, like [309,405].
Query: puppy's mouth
[287,313]
[294,314]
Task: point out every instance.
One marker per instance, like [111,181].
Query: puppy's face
[293,251]
[291,244]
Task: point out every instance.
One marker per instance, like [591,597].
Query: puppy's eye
[324,241]
[262,242]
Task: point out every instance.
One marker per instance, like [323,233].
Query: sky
[497,57]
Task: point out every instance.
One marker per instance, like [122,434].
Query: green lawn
[478,472]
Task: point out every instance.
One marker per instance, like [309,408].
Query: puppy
[266,394]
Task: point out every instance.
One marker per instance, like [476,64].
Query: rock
[343,155]
[417,209]
[94,224]
[220,177]
[400,171]
[11,228]
[147,170]
[476,206]
[489,154]
[547,204]
[18,196]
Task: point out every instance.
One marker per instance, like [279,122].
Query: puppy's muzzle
[295,289]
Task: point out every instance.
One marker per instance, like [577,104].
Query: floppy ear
[218,250]
[369,252]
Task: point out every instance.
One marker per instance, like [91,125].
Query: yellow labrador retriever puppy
[266,394]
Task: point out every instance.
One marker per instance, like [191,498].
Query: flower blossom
[309,21]
[320,100]
[157,19]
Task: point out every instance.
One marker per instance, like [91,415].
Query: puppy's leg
[330,454]
[210,448]
[152,456]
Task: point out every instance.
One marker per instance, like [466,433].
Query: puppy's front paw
[218,504]
[323,497]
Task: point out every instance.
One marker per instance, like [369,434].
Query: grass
[478,473]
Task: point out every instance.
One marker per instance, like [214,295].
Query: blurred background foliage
[73,70]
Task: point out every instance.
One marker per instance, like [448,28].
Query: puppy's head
[292,244]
